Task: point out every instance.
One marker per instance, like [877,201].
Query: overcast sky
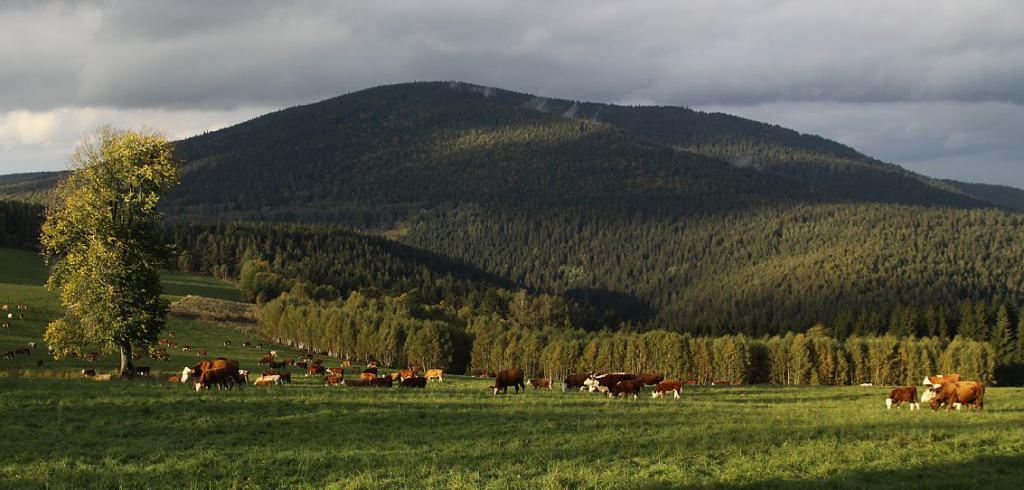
[935,86]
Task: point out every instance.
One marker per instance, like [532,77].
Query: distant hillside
[696,222]
[28,187]
[1000,195]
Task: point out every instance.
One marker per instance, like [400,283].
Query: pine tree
[1002,337]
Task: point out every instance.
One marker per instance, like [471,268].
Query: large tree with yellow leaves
[99,237]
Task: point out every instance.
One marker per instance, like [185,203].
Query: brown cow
[201,352]
[302,365]
[898,396]
[666,386]
[174,379]
[346,363]
[367,376]
[271,372]
[627,387]
[506,378]
[394,376]
[315,370]
[435,373]
[382,382]
[406,373]
[970,393]
[576,380]
[413,383]
[278,365]
[267,359]
[289,361]
[334,380]
[651,379]
[937,381]
[286,378]
[219,363]
[356,383]
[605,382]
[217,376]
[336,371]
[541,383]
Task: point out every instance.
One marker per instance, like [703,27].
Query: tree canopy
[99,235]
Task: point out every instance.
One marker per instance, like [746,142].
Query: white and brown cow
[905,394]
[667,386]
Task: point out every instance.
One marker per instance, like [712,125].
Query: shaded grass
[456,435]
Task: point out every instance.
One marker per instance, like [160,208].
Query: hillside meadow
[63,431]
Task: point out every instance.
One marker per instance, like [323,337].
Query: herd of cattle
[945,390]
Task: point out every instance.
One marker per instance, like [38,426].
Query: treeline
[401,332]
[20,224]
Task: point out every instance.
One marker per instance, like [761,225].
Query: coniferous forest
[474,229]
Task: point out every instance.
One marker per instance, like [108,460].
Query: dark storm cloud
[789,55]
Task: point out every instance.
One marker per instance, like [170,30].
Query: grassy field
[62,431]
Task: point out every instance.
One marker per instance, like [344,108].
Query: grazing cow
[605,382]
[243,376]
[334,380]
[627,387]
[173,343]
[576,380]
[267,381]
[272,353]
[318,362]
[174,379]
[88,373]
[435,373]
[172,333]
[245,344]
[227,342]
[31,345]
[221,377]
[367,376]
[259,346]
[23,350]
[270,372]
[9,354]
[7,324]
[898,396]
[195,371]
[163,341]
[286,378]
[650,379]
[22,306]
[394,376]
[970,393]
[506,378]
[666,386]
[346,363]
[937,381]
[267,359]
[541,383]
[308,357]
[336,371]
[413,383]
[315,370]
[406,373]
[356,383]
[278,365]
[101,377]
[201,352]
[186,348]
[162,350]
[142,370]
[289,362]
[301,365]
[382,382]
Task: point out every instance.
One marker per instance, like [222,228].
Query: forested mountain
[667,217]
[1000,195]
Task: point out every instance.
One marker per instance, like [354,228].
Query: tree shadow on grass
[983,472]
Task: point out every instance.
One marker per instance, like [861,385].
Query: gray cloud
[804,58]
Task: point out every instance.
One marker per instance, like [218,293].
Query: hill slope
[700,222]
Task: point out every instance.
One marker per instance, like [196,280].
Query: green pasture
[61,431]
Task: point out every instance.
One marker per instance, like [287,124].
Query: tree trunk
[127,363]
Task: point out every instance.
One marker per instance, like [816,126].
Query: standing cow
[970,393]
[906,394]
[509,377]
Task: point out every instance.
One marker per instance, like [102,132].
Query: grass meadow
[62,431]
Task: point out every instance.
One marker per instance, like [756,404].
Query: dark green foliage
[19,225]
[1000,195]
